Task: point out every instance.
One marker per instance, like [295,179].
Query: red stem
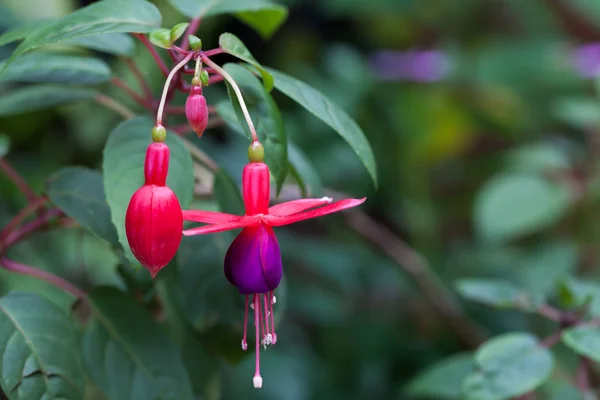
[215,79]
[549,312]
[34,225]
[24,213]
[159,61]
[191,30]
[140,78]
[130,92]
[57,281]
[212,52]
[17,179]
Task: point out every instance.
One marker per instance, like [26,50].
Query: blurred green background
[484,118]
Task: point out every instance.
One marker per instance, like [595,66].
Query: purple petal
[253,261]
[586,59]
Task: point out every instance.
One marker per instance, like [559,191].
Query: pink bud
[196,110]
[154,221]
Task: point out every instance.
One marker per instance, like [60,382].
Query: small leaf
[331,114]
[584,340]
[511,205]
[231,44]
[304,172]
[79,193]
[492,292]
[102,17]
[578,112]
[56,68]
[507,366]
[266,118]
[580,293]
[178,30]
[227,194]
[127,355]
[33,98]
[443,380]
[161,38]
[264,16]
[195,43]
[40,351]
[123,167]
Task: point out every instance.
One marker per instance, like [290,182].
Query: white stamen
[244,345]
[327,199]
[257,380]
[269,338]
[273,300]
[252,306]
[274,338]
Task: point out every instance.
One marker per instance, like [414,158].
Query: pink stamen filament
[274,336]
[244,341]
[257,378]
[268,336]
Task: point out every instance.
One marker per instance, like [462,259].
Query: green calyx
[195,43]
[204,77]
[159,134]
[256,152]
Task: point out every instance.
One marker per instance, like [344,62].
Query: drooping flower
[154,221]
[196,109]
[253,261]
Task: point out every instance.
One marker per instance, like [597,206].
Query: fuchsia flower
[253,261]
[154,220]
[196,110]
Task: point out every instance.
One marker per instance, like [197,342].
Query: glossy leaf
[264,16]
[41,356]
[178,30]
[443,380]
[106,16]
[127,355]
[56,68]
[123,168]
[227,193]
[230,44]
[265,116]
[161,38]
[508,366]
[79,193]
[324,109]
[33,98]
[510,206]
[493,292]
[584,340]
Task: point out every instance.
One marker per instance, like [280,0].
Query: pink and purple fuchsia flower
[253,261]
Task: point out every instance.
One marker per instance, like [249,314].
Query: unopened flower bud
[196,110]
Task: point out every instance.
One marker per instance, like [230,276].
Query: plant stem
[215,79]
[213,52]
[114,105]
[191,30]
[54,280]
[237,91]
[130,92]
[200,155]
[24,213]
[140,78]
[31,227]
[161,106]
[582,375]
[17,179]
[159,61]
[549,312]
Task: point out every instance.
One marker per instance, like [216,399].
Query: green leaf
[265,116]
[578,112]
[229,43]
[106,16]
[195,43]
[443,380]
[579,292]
[264,16]
[33,98]
[123,167]
[584,340]
[127,355]
[508,366]
[493,292]
[331,114]
[40,351]
[590,10]
[539,157]
[56,68]
[227,193]
[304,172]
[178,30]
[4,144]
[79,193]
[161,38]
[510,206]
[21,32]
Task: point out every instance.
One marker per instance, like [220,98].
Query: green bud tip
[195,43]
[159,134]
[256,152]
[195,81]
[204,77]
